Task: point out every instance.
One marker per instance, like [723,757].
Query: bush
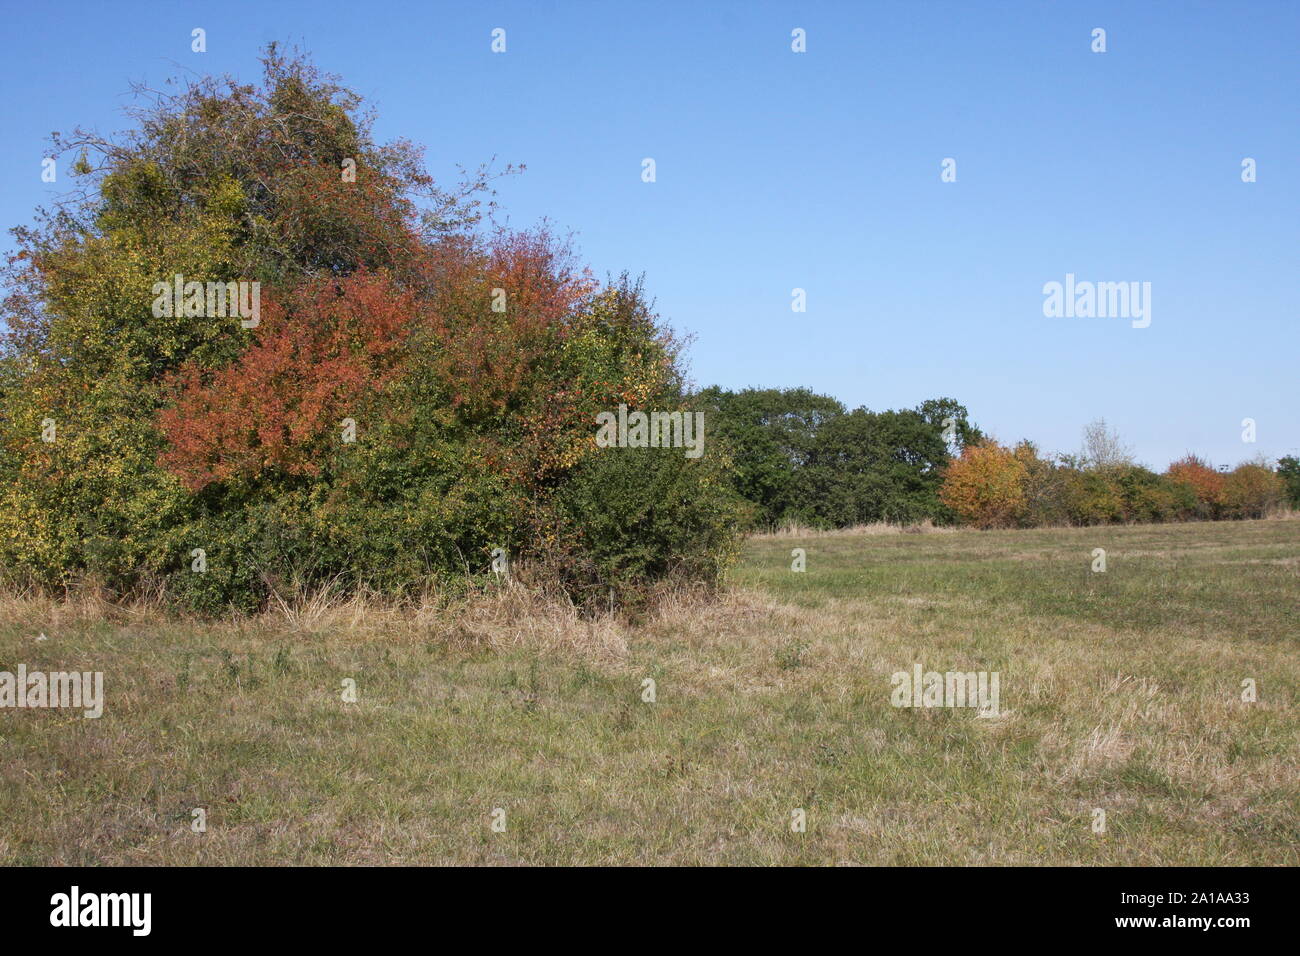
[986,486]
[631,515]
[1252,490]
[1095,497]
[1146,496]
[1046,489]
[416,394]
[1288,469]
[1205,484]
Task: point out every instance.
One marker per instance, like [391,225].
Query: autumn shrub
[1206,484]
[418,394]
[1184,505]
[1252,490]
[1094,497]
[1046,488]
[1147,497]
[985,487]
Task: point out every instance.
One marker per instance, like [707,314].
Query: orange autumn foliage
[497,312]
[1206,483]
[483,327]
[317,354]
[1252,490]
[985,486]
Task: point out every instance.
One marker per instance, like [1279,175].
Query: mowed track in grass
[1120,691]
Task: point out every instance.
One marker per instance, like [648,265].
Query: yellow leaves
[985,486]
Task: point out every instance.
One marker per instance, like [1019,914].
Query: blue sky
[821,171]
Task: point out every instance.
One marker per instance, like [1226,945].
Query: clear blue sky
[821,170]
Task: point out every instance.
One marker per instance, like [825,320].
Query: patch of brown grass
[795,529]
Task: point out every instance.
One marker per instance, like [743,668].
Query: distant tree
[1205,483]
[1252,490]
[1102,447]
[770,434]
[986,486]
[1288,469]
[938,412]
[877,466]
[800,456]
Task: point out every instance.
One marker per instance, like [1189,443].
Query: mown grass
[1120,691]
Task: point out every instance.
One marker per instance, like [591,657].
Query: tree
[771,434]
[800,456]
[1288,469]
[1102,447]
[939,412]
[877,466]
[986,486]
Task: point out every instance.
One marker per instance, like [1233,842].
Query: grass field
[1120,691]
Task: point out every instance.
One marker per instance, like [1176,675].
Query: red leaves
[489,357]
[1204,481]
[316,359]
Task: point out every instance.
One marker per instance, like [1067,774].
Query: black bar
[930,906]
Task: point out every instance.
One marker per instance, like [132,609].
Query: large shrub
[1252,490]
[416,393]
[642,514]
[1147,497]
[1046,488]
[1206,485]
[1123,493]
[986,486]
[1288,469]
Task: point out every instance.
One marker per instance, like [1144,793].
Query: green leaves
[800,456]
[469,370]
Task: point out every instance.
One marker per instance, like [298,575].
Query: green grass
[1120,691]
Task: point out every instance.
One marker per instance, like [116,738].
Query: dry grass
[795,529]
[1119,692]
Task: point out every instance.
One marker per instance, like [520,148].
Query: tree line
[805,459]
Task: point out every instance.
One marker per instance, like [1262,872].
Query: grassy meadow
[1120,691]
